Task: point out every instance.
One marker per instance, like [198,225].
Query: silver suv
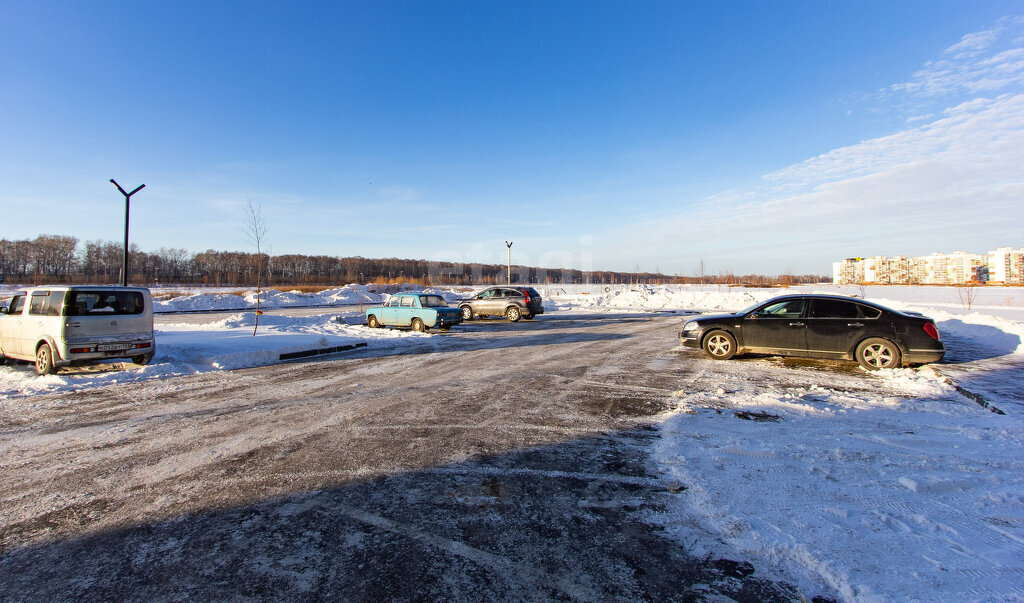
[512,302]
[57,326]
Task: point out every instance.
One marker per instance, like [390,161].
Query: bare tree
[968,291]
[255,229]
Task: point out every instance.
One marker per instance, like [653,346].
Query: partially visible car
[418,311]
[819,326]
[62,325]
[512,302]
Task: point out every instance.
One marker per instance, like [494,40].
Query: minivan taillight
[931,330]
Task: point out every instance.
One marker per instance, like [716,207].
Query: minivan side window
[104,303]
[46,303]
[17,304]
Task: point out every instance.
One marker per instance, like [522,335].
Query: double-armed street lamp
[509,245]
[127,203]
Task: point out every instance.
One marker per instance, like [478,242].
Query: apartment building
[1006,266]
[1003,266]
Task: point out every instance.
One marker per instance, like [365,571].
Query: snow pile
[272,298]
[832,485]
[659,297]
[224,344]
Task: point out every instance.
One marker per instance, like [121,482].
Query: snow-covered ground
[903,489]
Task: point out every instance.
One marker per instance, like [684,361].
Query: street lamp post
[509,245]
[127,204]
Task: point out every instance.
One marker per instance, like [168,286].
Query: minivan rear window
[105,303]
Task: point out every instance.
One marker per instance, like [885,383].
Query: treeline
[50,259]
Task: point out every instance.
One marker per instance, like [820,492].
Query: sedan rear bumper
[923,356]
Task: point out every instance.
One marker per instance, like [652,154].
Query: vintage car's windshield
[432,301]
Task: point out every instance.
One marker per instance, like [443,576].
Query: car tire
[372,322]
[44,360]
[877,353]
[528,316]
[142,359]
[467,313]
[513,314]
[418,326]
[719,345]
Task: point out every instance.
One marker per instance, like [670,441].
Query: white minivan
[58,326]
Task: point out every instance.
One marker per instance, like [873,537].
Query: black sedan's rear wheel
[877,353]
[720,345]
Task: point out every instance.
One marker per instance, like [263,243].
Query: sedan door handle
[796,324]
[855,324]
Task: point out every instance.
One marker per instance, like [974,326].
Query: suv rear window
[105,303]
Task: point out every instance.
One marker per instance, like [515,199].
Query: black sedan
[819,326]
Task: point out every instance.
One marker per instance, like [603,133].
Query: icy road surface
[576,456]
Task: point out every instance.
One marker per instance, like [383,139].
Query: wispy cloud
[981,62]
[953,180]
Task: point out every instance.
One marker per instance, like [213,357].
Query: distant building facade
[1004,266]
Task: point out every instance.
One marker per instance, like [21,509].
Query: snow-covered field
[906,489]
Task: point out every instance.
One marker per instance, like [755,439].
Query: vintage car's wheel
[372,322]
[513,314]
[3,359]
[877,353]
[44,360]
[719,345]
[467,313]
[446,328]
[418,326]
[142,359]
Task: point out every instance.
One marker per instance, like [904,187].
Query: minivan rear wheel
[44,360]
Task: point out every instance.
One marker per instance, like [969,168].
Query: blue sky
[756,136]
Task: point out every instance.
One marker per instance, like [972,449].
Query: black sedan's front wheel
[719,345]
[877,353]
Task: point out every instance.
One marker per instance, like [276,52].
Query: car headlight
[691,326]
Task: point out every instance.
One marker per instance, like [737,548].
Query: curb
[321,351]
[982,402]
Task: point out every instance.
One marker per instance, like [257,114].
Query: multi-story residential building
[848,271]
[899,270]
[1004,265]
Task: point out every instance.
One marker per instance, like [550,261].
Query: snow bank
[272,298]
[904,493]
[227,343]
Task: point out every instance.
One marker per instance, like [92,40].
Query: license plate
[110,347]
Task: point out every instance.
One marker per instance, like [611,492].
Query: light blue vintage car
[418,311]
